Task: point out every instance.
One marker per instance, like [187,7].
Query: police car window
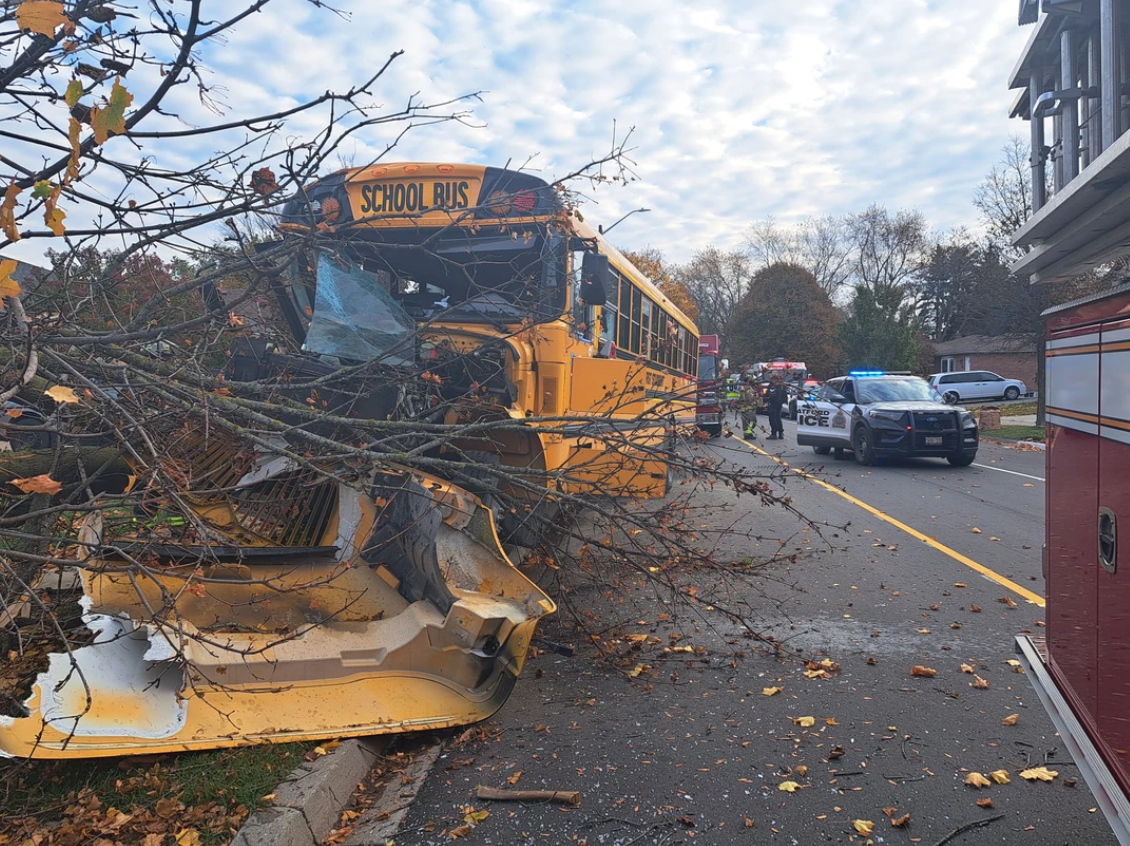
[848,391]
[895,390]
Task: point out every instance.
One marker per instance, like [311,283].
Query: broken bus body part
[313,609]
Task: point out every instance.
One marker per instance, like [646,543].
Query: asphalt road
[693,751]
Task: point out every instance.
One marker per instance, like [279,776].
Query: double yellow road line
[1028,595]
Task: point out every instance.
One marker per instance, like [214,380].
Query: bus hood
[408,616]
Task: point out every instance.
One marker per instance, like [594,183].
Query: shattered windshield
[355,316]
[475,278]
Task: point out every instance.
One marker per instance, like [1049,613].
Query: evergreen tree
[881,332]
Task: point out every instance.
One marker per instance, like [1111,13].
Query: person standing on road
[747,407]
[775,399]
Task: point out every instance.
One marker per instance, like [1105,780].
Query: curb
[308,804]
[1009,442]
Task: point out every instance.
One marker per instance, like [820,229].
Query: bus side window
[625,334]
[577,308]
[645,327]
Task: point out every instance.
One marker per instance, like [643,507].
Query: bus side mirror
[596,279]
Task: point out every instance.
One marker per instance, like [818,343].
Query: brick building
[1008,356]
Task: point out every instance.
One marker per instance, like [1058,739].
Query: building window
[955,364]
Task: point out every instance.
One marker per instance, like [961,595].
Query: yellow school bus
[527,310]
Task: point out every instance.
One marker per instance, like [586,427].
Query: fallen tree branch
[963,828]
[565,797]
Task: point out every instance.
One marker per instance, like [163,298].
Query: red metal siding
[1072,583]
[1113,617]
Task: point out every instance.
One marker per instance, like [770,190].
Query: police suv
[877,415]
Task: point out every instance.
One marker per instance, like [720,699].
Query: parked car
[975,385]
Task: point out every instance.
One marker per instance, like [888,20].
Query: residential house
[1010,356]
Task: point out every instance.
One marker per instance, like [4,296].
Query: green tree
[881,332]
[786,312]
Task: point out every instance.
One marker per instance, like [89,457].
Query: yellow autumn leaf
[9,287]
[1000,776]
[514,778]
[979,683]
[805,722]
[977,780]
[924,672]
[788,786]
[967,668]
[1039,774]
[474,817]
[976,531]
[41,16]
[54,219]
[816,674]
[73,93]
[42,483]
[188,837]
[864,827]
[8,213]
[771,691]
[1010,720]
[111,118]
[638,670]
[61,393]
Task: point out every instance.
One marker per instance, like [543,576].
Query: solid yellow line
[1034,598]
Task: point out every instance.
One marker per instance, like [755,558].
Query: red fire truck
[708,414]
[794,372]
[1081,667]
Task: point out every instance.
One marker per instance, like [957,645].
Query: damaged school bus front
[292,606]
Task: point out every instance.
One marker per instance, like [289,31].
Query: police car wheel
[961,460]
[821,450]
[951,397]
[861,443]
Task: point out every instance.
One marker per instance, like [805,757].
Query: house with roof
[1011,356]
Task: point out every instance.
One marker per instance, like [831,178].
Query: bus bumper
[1032,652]
[277,649]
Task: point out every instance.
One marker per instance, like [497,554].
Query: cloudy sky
[739,109]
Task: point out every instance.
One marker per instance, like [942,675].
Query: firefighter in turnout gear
[747,407]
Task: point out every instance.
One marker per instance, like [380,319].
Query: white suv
[975,385]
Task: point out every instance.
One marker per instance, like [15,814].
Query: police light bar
[867,373]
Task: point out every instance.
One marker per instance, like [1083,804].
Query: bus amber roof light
[445,168]
[412,169]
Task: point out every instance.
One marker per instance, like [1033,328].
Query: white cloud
[740,108]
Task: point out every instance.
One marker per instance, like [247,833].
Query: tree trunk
[21,465]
